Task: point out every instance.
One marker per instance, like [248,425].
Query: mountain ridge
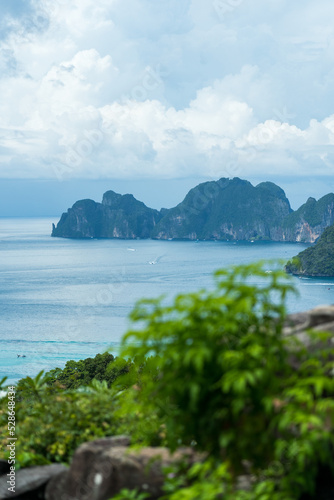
[227,209]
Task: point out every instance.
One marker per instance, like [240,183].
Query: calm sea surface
[69,299]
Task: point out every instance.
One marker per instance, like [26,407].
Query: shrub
[51,422]
[225,381]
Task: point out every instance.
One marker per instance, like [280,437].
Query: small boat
[156,260]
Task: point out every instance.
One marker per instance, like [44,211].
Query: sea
[63,299]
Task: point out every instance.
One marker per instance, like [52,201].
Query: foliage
[52,422]
[216,353]
[126,494]
[135,415]
[2,383]
[213,370]
[59,410]
[79,373]
[212,480]
[31,389]
[225,381]
[317,260]
[294,266]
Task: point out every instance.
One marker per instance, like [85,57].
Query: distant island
[318,260]
[227,209]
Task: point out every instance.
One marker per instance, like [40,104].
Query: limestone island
[227,209]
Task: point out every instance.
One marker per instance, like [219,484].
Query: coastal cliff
[227,209]
[116,217]
[308,222]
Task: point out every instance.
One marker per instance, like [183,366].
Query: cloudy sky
[153,95]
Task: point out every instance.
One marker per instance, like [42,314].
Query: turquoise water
[69,299]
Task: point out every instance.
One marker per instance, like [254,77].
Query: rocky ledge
[99,470]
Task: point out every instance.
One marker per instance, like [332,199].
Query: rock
[310,220]
[30,483]
[321,315]
[320,318]
[111,442]
[297,319]
[116,217]
[56,487]
[88,453]
[100,470]
[227,209]
[4,467]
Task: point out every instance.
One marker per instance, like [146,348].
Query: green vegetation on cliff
[83,220]
[213,370]
[116,217]
[314,213]
[227,209]
[317,260]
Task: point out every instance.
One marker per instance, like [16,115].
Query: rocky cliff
[310,220]
[227,209]
[116,217]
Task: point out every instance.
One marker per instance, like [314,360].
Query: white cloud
[174,89]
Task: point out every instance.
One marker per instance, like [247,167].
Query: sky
[155,96]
